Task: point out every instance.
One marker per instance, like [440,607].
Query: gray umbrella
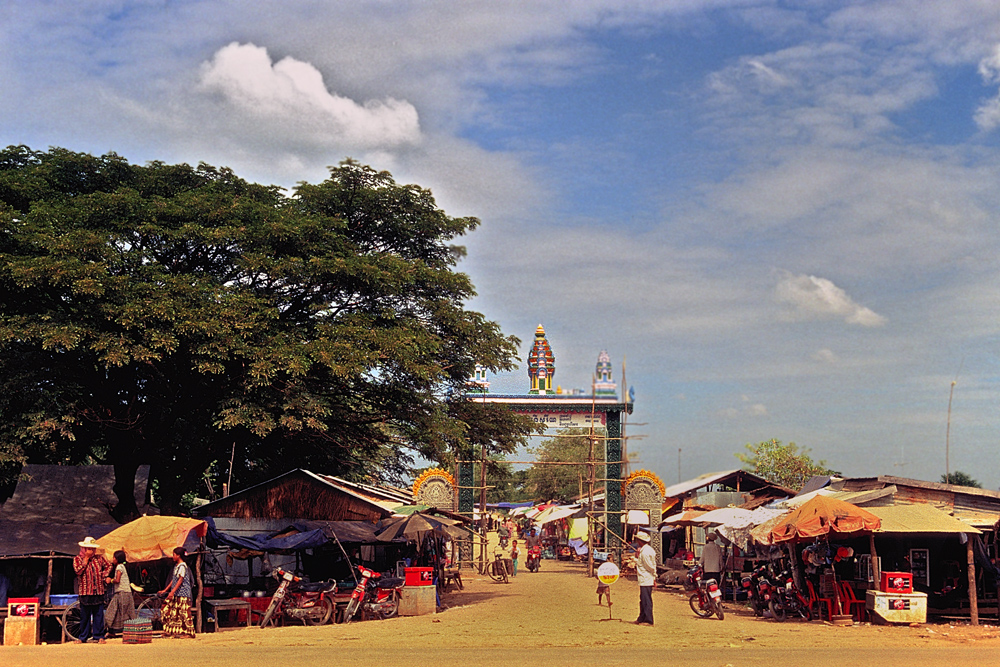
[414,526]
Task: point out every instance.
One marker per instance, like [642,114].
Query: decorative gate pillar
[644,491]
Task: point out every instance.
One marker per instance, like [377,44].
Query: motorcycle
[534,560]
[752,585]
[789,601]
[503,541]
[375,596]
[707,598]
[311,603]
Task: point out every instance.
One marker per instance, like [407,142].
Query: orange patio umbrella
[821,516]
[153,537]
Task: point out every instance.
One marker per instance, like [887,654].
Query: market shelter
[935,549]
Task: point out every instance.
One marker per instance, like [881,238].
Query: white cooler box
[896,607]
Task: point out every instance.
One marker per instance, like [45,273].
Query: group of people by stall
[106,600]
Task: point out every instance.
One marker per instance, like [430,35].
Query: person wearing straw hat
[91,571]
[645,571]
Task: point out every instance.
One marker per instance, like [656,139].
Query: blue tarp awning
[297,536]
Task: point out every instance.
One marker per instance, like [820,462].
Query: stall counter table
[234,604]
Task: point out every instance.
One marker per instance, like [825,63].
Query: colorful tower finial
[541,364]
[603,384]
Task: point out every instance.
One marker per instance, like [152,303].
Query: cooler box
[896,582]
[22,625]
[420,576]
[896,607]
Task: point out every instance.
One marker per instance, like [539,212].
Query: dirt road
[552,618]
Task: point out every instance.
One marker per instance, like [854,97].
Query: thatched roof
[80,495]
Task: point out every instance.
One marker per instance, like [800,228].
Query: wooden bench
[452,576]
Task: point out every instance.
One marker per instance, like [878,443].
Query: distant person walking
[645,571]
[91,571]
[177,607]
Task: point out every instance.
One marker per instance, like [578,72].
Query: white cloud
[818,298]
[988,114]
[825,355]
[292,93]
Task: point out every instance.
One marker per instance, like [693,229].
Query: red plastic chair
[849,602]
[815,600]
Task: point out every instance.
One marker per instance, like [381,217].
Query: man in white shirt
[645,570]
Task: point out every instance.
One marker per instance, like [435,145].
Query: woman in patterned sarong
[176,612]
[121,608]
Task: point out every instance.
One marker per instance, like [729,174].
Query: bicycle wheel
[321,614]
[494,570]
[151,609]
[71,622]
[696,607]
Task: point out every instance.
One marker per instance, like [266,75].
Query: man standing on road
[711,559]
[645,571]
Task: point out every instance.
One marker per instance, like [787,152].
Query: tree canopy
[960,478]
[173,315]
[782,464]
[565,482]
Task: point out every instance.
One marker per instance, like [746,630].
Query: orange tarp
[823,515]
[151,537]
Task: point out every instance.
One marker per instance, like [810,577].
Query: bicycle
[497,569]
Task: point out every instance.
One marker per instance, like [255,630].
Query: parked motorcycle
[311,603]
[751,584]
[789,601]
[534,560]
[707,597]
[375,596]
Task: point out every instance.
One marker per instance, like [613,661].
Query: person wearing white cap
[91,571]
[645,571]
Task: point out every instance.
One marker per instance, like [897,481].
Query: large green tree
[170,315]
[786,465]
[550,479]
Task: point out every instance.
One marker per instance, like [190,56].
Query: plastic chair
[850,602]
[818,601]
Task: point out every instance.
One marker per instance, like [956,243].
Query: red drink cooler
[897,582]
[420,576]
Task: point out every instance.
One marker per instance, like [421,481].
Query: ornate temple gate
[644,491]
[556,410]
[559,411]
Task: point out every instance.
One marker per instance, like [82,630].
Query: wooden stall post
[973,597]
[201,586]
[876,574]
[48,580]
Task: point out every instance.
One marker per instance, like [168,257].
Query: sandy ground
[550,616]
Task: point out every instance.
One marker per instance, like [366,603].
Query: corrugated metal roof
[918,519]
[748,482]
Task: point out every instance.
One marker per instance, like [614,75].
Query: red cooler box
[897,582]
[420,576]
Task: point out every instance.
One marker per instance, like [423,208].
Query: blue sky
[783,214]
